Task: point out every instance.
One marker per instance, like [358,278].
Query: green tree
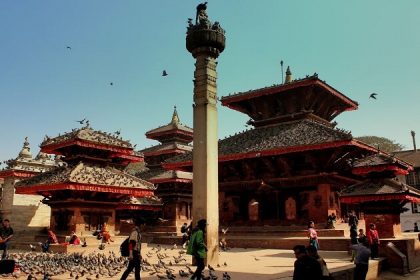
[384,144]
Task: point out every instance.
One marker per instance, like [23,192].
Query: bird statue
[373,95]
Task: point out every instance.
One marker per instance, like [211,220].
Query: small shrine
[91,188]
[22,209]
[380,196]
[173,186]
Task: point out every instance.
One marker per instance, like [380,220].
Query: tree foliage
[384,144]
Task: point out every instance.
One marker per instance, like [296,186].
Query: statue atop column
[201,15]
[204,33]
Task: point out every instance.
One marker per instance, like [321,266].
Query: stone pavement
[241,264]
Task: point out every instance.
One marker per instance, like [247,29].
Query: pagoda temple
[91,189]
[289,168]
[380,196]
[173,186]
[24,210]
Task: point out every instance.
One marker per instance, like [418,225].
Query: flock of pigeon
[92,266]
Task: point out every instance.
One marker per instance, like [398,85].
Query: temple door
[253,210]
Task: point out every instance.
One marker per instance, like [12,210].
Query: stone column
[7,197]
[206,41]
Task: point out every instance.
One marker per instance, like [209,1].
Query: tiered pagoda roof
[281,138]
[24,165]
[91,144]
[90,176]
[381,162]
[379,190]
[305,98]
[86,177]
[173,131]
[174,138]
[157,176]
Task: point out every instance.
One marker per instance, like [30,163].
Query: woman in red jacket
[373,238]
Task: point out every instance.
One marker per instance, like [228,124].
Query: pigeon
[164,73]
[33,248]
[225,230]
[226,276]
[162,220]
[373,95]
[257,259]
[82,121]
[210,267]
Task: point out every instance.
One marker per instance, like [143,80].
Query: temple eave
[379,197]
[54,148]
[17,173]
[37,189]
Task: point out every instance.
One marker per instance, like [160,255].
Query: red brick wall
[388,225]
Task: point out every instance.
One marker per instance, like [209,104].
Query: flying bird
[68,47]
[373,95]
[111,83]
[82,121]
[164,73]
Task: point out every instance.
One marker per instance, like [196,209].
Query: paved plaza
[241,264]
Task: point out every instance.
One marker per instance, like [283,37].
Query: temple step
[268,242]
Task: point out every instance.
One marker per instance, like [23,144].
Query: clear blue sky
[358,47]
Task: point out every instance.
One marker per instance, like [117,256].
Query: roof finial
[26,150]
[175,118]
[288,75]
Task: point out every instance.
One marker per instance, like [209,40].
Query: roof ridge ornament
[26,150]
[288,75]
[175,117]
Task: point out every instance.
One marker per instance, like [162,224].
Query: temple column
[8,193]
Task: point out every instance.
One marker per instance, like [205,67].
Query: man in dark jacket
[6,233]
[306,267]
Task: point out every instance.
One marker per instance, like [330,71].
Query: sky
[358,47]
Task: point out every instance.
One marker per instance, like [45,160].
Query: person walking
[6,233]
[197,248]
[313,252]
[306,267]
[362,260]
[373,238]
[313,235]
[134,247]
[353,240]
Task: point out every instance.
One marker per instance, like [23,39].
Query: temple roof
[163,175]
[166,148]
[384,189]
[86,175]
[304,98]
[85,134]
[379,162]
[280,138]
[149,200]
[411,156]
[24,163]
[173,129]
